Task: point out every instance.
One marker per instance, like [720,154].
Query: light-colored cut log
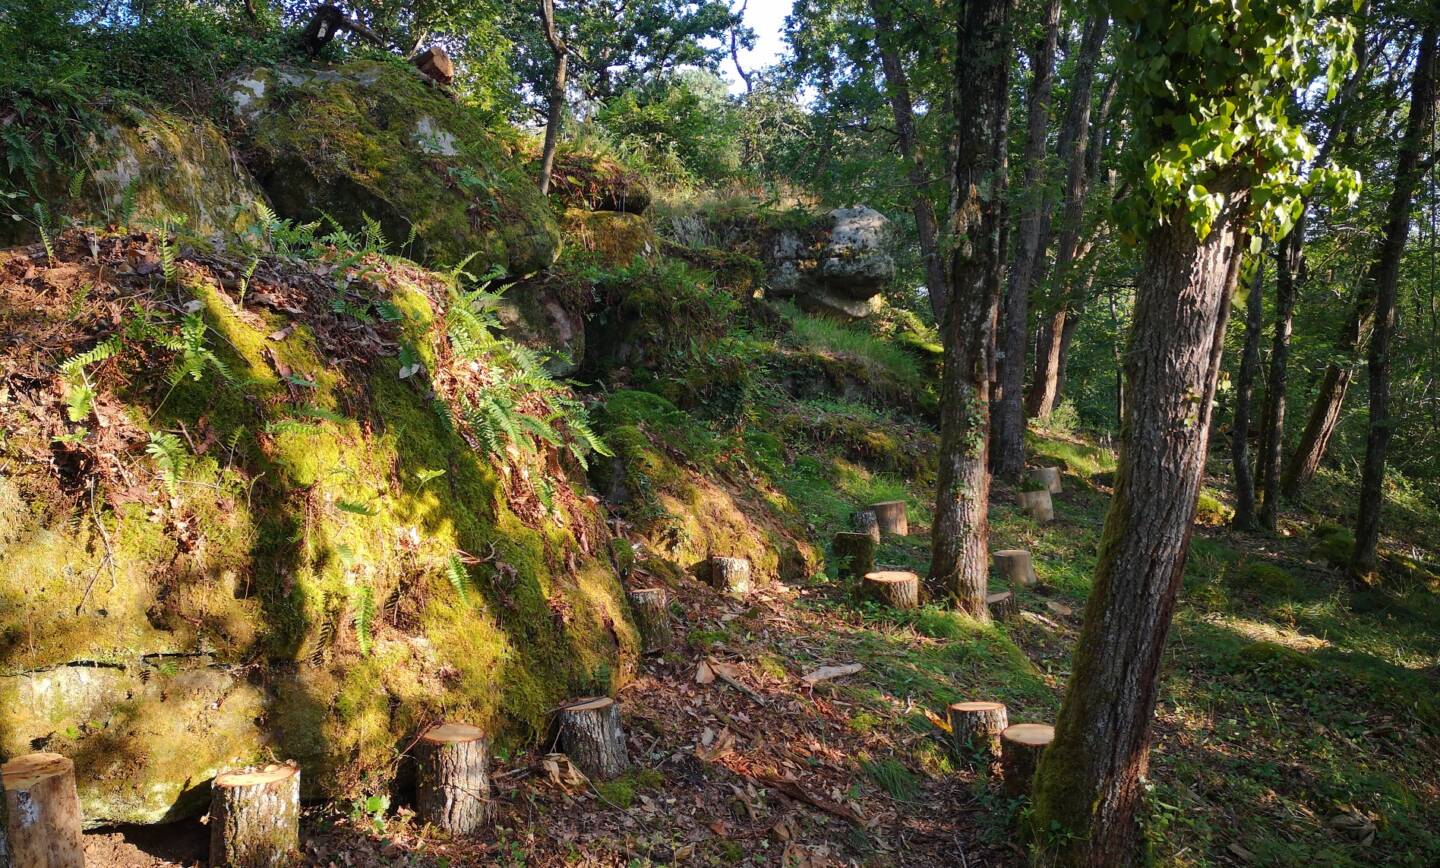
[975,729]
[892,516]
[899,589]
[1015,565]
[652,616]
[1037,505]
[591,736]
[731,575]
[856,555]
[42,812]
[452,778]
[865,522]
[1048,477]
[255,817]
[1020,749]
[1002,606]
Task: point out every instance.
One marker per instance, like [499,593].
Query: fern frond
[458,576]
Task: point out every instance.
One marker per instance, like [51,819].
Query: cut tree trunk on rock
[1048,477]
[652,614]
[1037,505]
[255,817]
[436,64]
[1020,749]
[591,736]
[856,554]
[1002,605]
[892,517]
[899,589]
[43,810]
[452,778]
[865,522]
[731,575]
[1015,565]
[975,729]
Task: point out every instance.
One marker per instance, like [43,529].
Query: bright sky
[767,19]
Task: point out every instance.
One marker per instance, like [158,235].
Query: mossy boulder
[613,237]
[377,138]
[1334,544]
[595,182]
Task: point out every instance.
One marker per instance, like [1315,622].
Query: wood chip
[825,673]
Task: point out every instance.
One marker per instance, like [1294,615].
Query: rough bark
[1288,262]
[652,615]
[856,555]
[1324,416]
[452,778]
[1002,605]
[865,522]
[1048,477]
[255,818]
[975,729]
[556,114]
[1089,780]
[1244,517]
[960,538]
[1021,747]
[731,575]
[43,813]
[1076,135]
[897,87]
[1008,439]
[591,736]
[895,588]
[892,517]
[1037,505]
[1015,565]
[5,856]
[1385,274]
[328,21]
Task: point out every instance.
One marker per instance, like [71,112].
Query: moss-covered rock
[595,182]
[377,138]
[615,238]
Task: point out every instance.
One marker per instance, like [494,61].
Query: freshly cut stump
[731,575]
[1020,748]
[255,817]
[898,589]
[452,777]
[975,729]
[652,615]
[892,517]
[591,736]
[43,812]
[865,522]
[1015,565]
[1002,606]
[856,554]
[1048,477]
[1037,505]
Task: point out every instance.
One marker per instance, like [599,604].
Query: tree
[1204,154]
[1244,518]
[959,563]
[556,113]
[1009,435]
[1385,275]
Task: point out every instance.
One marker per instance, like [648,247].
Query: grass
[828,336]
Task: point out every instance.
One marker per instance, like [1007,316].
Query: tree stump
[892,517]
[1048,477]
[255,817]
[1002,606]
[591,736]
[1037,505]
[856,554]
[43,812]
[452,777]
[1015,565]
[652,615]
[975,729]
[1020,748]
[899,589]
[731,575]
[865,522]
[436,63]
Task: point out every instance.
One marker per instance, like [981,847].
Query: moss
[1265,581]
[1334,544]
[615,239]
[622,790]
[1272,656]
[1210,512]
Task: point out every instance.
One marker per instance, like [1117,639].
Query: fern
[310,411]
[365,619]
[459,578]
[79,391]
[170,457]
[245,278]
[354,508]
[195,358]
[75,365]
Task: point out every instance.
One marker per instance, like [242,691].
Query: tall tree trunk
[1385,274]
[1089,780]
[1076,133]
[557,94]
[1244,517]
[1289,262]
[1009,434]
[897,85]
[960,538]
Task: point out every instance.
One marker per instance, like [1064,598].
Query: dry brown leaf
[703,673]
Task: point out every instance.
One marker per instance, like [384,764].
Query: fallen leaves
[826,673]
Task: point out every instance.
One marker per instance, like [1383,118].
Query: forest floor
[1297,723]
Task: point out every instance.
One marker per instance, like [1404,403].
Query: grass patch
[832,337]
[892,777]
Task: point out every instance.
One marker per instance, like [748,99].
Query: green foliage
[79,392]
[681,130]
[365,618]
[194,357]
[892,777]
[171,458]
[459,578]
